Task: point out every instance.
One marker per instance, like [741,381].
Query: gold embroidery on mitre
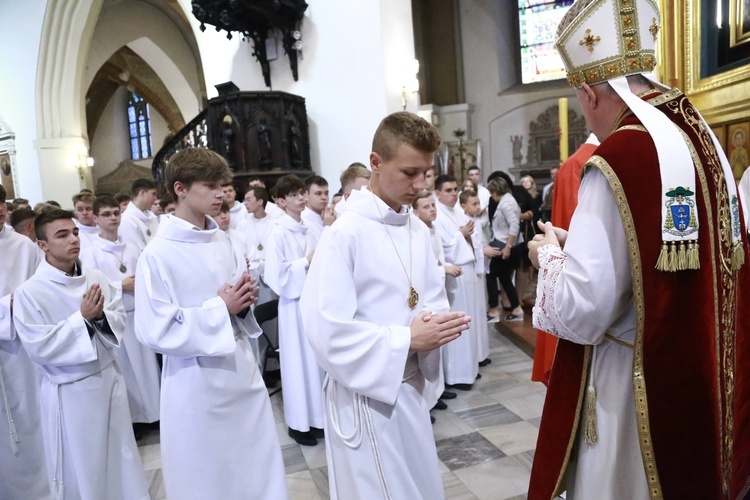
[590,40]
[654,28]
[628,21]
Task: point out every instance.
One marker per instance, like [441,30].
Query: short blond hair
[421,196]
[83,197]
[404,128]
[192,165]
[354,171]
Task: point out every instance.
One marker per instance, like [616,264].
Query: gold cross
[589,40]
[654,28]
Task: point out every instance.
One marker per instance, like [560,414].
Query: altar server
[22,470]
[138,223]
[460,358]
[218,438]
[373,311]
[70,321]
[289,254]
[117,260]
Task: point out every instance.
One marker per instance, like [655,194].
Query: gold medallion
[413,298]
[123,268]
[260,246]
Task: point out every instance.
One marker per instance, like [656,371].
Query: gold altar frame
[737,34]
[720,98]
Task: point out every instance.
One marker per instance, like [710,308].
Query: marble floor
[485,439]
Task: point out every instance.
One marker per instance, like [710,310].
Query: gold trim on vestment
[618,341]
[639,379]
[559,486]
[725,362]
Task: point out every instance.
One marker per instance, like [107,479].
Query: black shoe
[462,387]
[485,362]
[448,395]
[318,433]
[303,438]
[137,432]
[479,375]
[432,419]
[440,405]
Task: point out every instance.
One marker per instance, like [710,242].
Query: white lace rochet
[545,316]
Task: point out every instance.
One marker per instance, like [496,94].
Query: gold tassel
[672,266]
[738,256]
[697,257]
[590,433]
[662,262]
[681,258]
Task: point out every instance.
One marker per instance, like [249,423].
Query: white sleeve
[7,332]
[285,276]
[67,342]
[166,327]
[582,291]
[367,358]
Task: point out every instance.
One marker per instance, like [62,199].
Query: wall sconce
[411,82]
[82,160]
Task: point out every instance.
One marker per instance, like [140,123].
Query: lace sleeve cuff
[545,316]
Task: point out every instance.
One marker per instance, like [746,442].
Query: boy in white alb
[117,261]
[237,210]
[455,228]
[272,209]
[483,252]
[218,438]
[70,321]
[236,237]
[317,215]
[257,231]
[289,254]
[373,311]
[83,204]
[424,208]
[138,223]
[22,470]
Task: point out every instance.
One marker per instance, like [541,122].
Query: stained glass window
[538,20]
[139,123]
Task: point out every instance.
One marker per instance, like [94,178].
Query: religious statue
[227,137]
[264,140]
[517,141]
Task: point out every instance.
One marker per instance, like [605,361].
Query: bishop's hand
[429,331]
[550,237]
[239,296]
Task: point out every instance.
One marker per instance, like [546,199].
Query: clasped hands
[552,236]
[239,296]
[431,330]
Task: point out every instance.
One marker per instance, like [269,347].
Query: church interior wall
[501,107]
[349,73]
[18,60]
[111,144]
[149,32]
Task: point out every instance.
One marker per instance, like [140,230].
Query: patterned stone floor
[485,439]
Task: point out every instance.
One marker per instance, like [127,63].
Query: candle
[563,117]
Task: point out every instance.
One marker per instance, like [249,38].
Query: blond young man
[373,309]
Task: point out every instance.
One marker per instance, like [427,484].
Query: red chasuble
[691,363]
[564,202]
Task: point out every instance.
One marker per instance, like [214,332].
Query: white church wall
[153,36]
[349,73]
[500,108]
[19,40]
